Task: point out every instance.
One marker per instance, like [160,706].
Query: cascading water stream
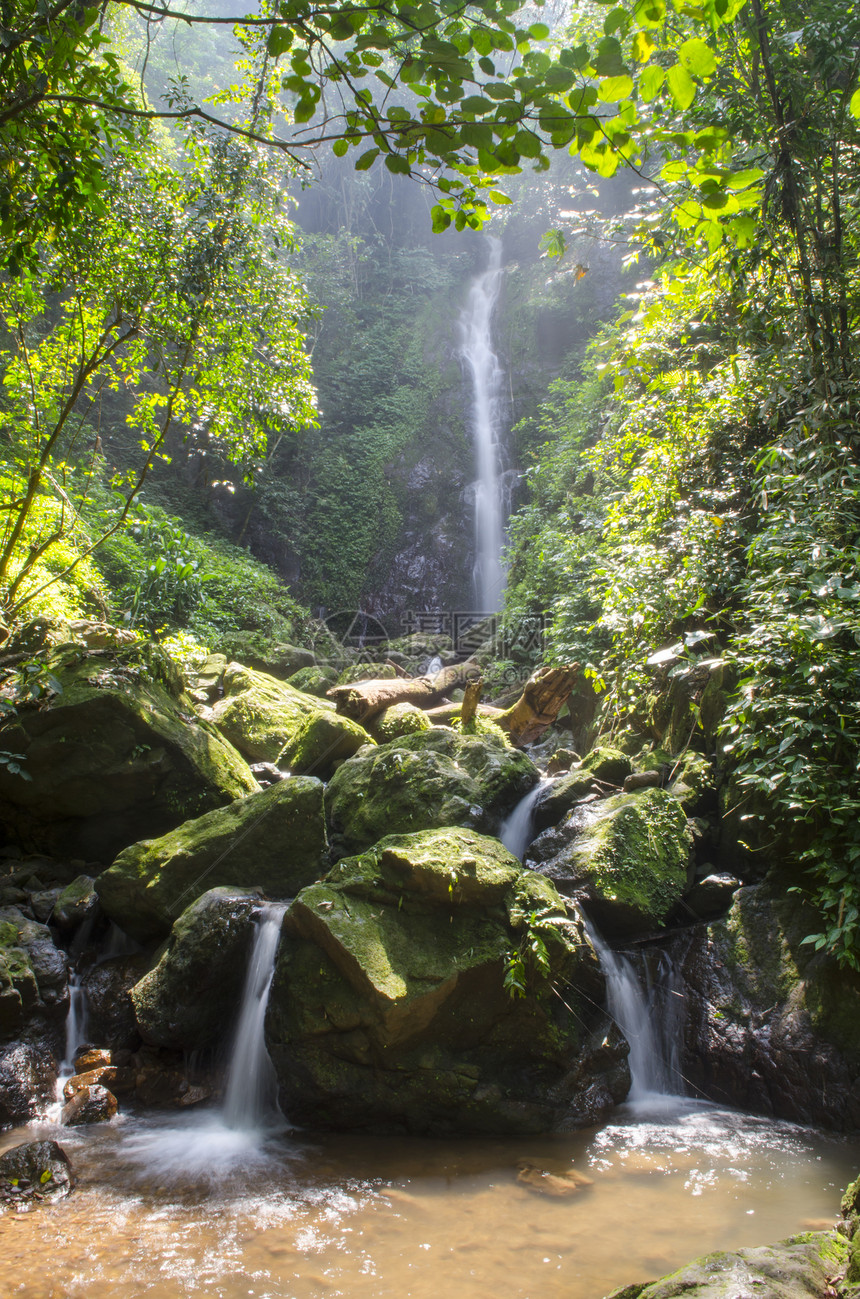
[517,830]
[651,1032]
[76,1026]
[476,349]
[251,1096]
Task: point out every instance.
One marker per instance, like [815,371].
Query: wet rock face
[116,756]
[92,1103]
[33,973]
[796,1268]
[189,1000]
[110,1013]
[390,1011]
[275,840]
[433,778]
[37,1171]
[625,859]
[27,1076]
[771,1026]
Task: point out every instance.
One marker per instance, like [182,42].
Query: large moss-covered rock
[562,797]
[33,973]
[189,999]
[274,840]
[434,778]
[390,1009]
[772,1025]
[321,743]
[607,764]
[315,680]
[119,754]
[259,714]
[624,859]
[801,1267]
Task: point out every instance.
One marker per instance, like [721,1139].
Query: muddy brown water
[167,1207]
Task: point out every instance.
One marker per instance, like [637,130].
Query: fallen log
[362,700]
[544,695]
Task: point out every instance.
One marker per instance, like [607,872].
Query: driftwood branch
[544,695]
[362,700]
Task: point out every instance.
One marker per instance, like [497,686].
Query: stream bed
[173,1205]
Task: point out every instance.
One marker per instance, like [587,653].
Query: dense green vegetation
[693,498]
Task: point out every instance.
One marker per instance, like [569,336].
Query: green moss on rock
[389,1006]
[397,721]
[260,714]
[607,764]
[322,742]
[433,778]
[274,840]
[315,680]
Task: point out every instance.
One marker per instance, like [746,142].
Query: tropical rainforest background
[234,252]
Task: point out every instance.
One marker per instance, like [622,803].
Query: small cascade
[517,830]
[652,1035]
[476,349]
[76,1027]
[251,1096]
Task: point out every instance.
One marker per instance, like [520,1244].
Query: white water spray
[651,1031]
[517,830]
[251,1096]
[477,351]
[76,1028]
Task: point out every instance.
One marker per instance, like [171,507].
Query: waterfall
[251,1095]
[517,830]
[650,1021]
[477,351]
[76,1027]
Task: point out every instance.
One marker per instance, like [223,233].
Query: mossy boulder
[119,754]
[772,1025]
[36,1171]
[322,742]
[390,1010]
[259,714]
[33,973]
[314,680]
[398,720]
[274,840]
[434,778]
[798,1268]
[625,859]
[188,1001]
[608,764]
[365,671]
[75,904]
[693,784]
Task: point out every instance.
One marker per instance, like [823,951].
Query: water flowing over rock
[116,756]
[772,1026]
[390,1008]
[251,1092]
[433,778]
[274,840]
[194,989]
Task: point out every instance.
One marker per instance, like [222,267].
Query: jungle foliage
[695,499]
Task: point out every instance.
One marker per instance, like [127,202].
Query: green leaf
[854,103]
[339,148]
[366,160]
[650,82]
[538,31]
[698,58]
[613,89]
[280,40]
[681,85]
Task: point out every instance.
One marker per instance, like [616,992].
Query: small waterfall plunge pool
[177,1205]
[231,1202]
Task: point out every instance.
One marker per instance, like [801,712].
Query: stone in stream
[802,1267]
[38,1170]
[436,777]
[28,1072]
[89,1104]
[76,903]
[189,999]
[260,714]
[275,840]
[625,860]
[416,989]
[116,756]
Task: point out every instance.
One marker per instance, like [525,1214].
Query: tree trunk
[362,700]
[544,694]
